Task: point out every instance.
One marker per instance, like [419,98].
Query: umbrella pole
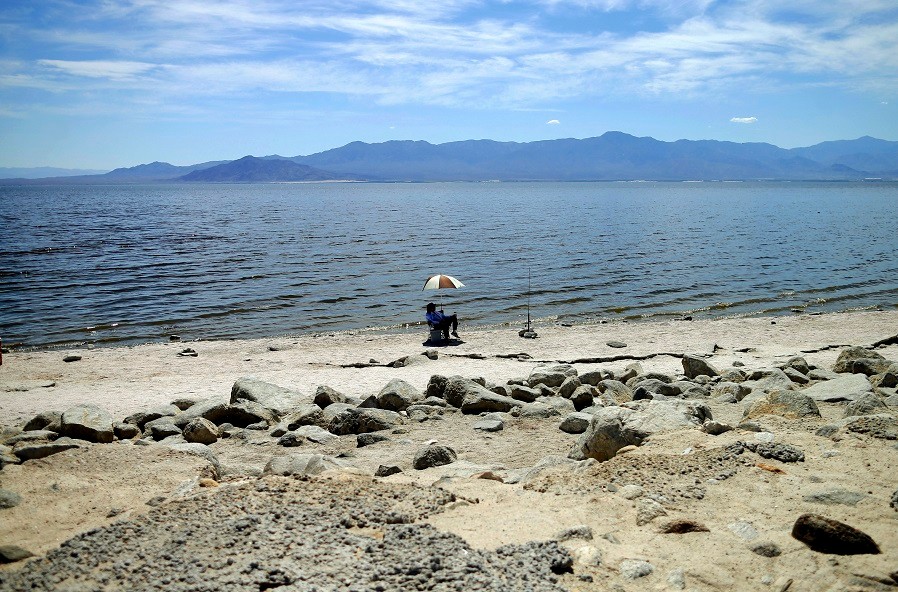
[528,298]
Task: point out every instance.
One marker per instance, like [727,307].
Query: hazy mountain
[250,169]
[43,172]
[611,156]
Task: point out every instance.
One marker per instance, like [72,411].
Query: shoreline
[130,378]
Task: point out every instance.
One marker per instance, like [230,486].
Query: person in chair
[440,321]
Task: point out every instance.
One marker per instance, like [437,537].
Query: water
[131,264]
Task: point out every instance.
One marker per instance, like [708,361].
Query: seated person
[440,321]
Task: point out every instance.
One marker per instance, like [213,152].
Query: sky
[111,83]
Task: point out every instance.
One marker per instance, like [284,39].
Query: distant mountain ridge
[610,157]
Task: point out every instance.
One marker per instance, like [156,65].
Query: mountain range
[609,157]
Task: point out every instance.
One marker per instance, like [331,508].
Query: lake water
[132,264]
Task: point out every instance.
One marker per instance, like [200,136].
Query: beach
[742,507]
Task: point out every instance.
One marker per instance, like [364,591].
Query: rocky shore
[741,454]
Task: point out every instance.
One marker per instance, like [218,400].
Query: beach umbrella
[442,282]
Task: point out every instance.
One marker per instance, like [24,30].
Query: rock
[490,425]
[894,501]
[31,436]
[397,395]
[9,499]
[863,359]
[835,497]
[715,428]
[677,579]
[212,409]
[631,371]
[368,439]
[433,456]
[291,440]
[87,422]
[568,387]
[588,555]
[278,400]
[72,358]
[302,465]
[732,375]
[868,404]
[683,526]
[781,452]
[325,395]
[141,418]
[594,377]
[335,409]
[575,532]
[538,410]
[882,426]
[575,423]
[825,535]
[184,403]
[583,396]
[306,414]
[847,387]
[796,376]
[188,352]
[480,400]
[730,391]
[694,366]
[316,434]
[458,388]
[619,391]
[44,420]
[769,380]
[616,344]
[524,393]
[744,530]
[13,553]
[633,569]
[551,376]
[386,471]
[631,491]
[766,549]
[162,428]
[246,412]
[612,428]
[201,430]
[435,386]
[788,404]
[432,354]
[31,451]
[644,389]
[886,379]
[125,431]
[360,421]
[798,363]
[647,510]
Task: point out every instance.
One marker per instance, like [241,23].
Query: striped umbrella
[442,282]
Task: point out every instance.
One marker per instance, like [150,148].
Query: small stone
[72,358]
[677,579]
[575,532]
[633,569]
[155,501]
[9,499]
[201,430]
[831,536]
[490,425]
[835,497]
[386,471]
[188,353]
[588,555]
[113,512]
[291,440]
[13,553]
[744,530]
[368,439]
[434,455]
[780,452]
[631,492]
[715,428]
[766,549]
[616,344]
[432,354]
[489,475]
[894,502]
[683,526]
[207,482]
[647,510]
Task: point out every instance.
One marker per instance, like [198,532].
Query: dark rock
[386,471]
[141,418]
[825,535]
[13,553]
[184,403]
[881,426]
[796,376]
[575,423]
[126,431]
[781,452]
[683,526]
[325,395]
[619,391]
[369,402]
[694,366]
[290,440]
[435,386]
[363,440]
[27,451]
[434,455]
[188,352]
[162,428]
[583,396]
[644,389]
[432,354]
[9,499]
[798,363]
[886,379]
[575,532]
[616,344]
[766,549]
[201,430]
[31,436]
[87,422]
[246,412]
[490,425]
[480,400]
[212,409]
[307,414]
[41,421]
[567,387]
[360,421]
[523,393]
[594,377]
[894,500]
[72,358]
[397,395]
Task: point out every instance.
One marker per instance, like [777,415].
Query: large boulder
[34,450]
[458,389]
[869,404]
[361,421]
[87,422]
[847,387]
[788,404]
[482,400]
[769,380]
[568,387]
[523,393]
[397,395]
[551,376]
[51,420]
[141,418]
[246,412]
[278,399]
[644,389]
[694,366]
[212,409]
[860,360]
[612,428]
[617,389]
[201,431]
[307,414]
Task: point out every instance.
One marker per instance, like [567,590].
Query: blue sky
[109,83]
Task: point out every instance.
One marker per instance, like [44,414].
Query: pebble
[72,358]
[616,344]
[766,549]
[575,532]
[633,569]
[744,530]
[9,499]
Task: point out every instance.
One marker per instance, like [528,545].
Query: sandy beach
[740,501]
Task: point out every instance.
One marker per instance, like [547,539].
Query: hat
[430,304]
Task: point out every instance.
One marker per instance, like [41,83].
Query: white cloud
[553,122]
[744,119]
[116,70]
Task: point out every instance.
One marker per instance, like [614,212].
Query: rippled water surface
[129,264]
